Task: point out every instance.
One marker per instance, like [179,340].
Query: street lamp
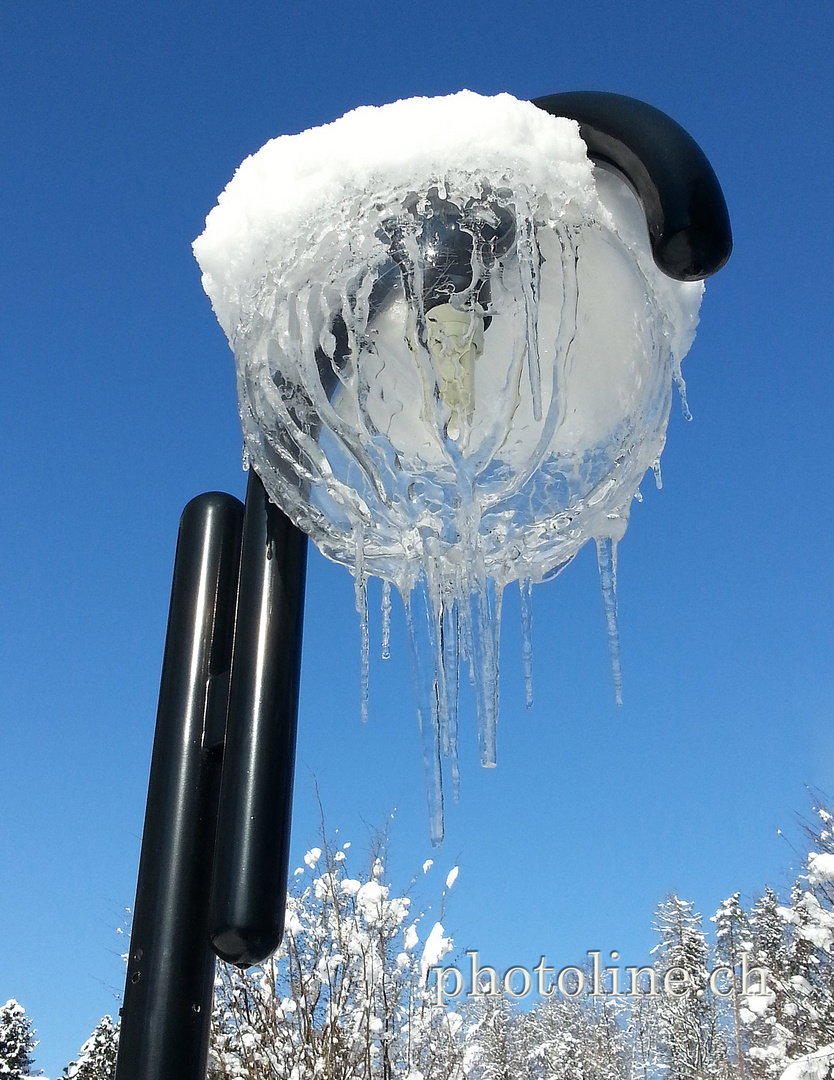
[455,341]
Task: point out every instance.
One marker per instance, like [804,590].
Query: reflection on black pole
[170,974]
[253,832]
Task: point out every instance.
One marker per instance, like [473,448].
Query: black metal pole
[252,848]
[687,217]
[170,973]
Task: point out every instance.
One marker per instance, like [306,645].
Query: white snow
[436,947]
[371,894]
[757,1005]
[815,1066]
[312,857]
[820,867]
[287,186]
[292,924]
[451,877]
[455,357]
[811,921]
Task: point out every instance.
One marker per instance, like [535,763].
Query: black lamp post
[213,868]
[215,849]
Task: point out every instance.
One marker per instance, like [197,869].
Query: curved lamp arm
[689,226]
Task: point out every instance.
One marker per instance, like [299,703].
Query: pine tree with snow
[767,927]
[807,1008]
[794,943]
[17,1041]
[791,1031]
[734,944]
[771,1021]
[690,1036]
[821,917]
[97,1058]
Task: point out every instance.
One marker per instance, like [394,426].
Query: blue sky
[120,127]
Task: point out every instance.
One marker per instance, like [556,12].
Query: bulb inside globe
[455,339]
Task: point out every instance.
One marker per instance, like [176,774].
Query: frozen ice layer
[454,360]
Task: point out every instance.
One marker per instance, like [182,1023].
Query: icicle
[525,588]
[497,597]
[449,638]
[360,591]
[497,619]
[434,606]
[677,378]
[607,562]
[658,479]
[529,268]
[417,621]
[480,642]
[386,619]
[245,459]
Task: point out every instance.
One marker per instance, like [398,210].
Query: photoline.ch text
[595,980]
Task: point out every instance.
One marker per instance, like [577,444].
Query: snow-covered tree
[17,1041]
[733,946]
[608,1042]
[573,1038]
[764,1018]
[348,996]
[97,1057]
[492,1037]
[554,1040]
[795,943]
[641,1038]
[690,1038]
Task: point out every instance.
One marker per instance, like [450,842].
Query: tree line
[352,995]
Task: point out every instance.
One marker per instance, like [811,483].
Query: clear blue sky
[121,124]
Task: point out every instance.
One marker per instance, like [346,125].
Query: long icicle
[498,596]
[422,664]
[525,588]
[529,265]
[386,619]
[434,606]
[607,563]
[483,669]
[360,592]
[451,664]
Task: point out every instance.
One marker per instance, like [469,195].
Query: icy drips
[386,620]
[455,357]
[360,590]
[607,562]
[526,596]
[448,625]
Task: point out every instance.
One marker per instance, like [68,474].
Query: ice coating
[455,357]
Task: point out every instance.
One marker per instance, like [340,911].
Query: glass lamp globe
[455,357]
